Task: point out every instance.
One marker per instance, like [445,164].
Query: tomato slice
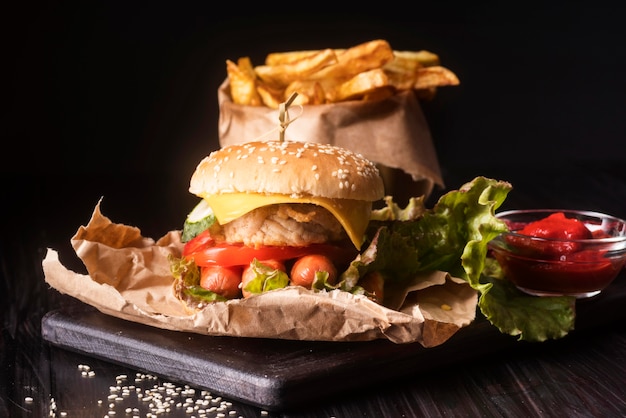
[205,252]
[240,255]
[197,243]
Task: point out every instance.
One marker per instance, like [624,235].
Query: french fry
[362,84]
[309,92]
[242,86]
[271,97]
[379,93]
[425,58]
[245,65]
[280,58]
[402,65]
[401,79]
[367,71]
[363,57]
[283,74]
[402,71]
[435,76]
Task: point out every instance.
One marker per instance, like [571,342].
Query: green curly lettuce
[453,237]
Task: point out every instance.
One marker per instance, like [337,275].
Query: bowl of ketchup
[560,252]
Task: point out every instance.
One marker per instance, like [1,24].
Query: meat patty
[284,224]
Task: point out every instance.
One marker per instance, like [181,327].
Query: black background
[119,99]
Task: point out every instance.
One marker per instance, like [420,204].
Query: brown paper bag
[392,132]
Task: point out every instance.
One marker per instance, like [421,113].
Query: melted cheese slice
[353,215]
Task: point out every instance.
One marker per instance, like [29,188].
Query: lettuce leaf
[265,278]
[453,237]
[531,318]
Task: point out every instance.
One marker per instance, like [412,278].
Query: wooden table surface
[581,375]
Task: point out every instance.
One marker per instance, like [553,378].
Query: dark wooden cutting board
[280,374]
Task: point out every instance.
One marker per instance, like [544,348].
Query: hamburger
[274,213]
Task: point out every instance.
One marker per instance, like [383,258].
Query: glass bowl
[560,252]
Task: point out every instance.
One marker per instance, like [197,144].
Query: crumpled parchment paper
[129,278]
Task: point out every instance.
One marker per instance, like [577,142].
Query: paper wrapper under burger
[392,132]
[129,278]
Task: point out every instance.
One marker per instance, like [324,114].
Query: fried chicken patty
[283,224]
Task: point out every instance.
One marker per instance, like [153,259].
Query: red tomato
[224,281]
[239,255]
[304,270]
[200,241]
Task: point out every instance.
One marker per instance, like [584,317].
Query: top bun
[290,168]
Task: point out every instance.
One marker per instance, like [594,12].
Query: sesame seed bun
[290,168]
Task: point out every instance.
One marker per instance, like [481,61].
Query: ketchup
[553,227]
[555,265]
